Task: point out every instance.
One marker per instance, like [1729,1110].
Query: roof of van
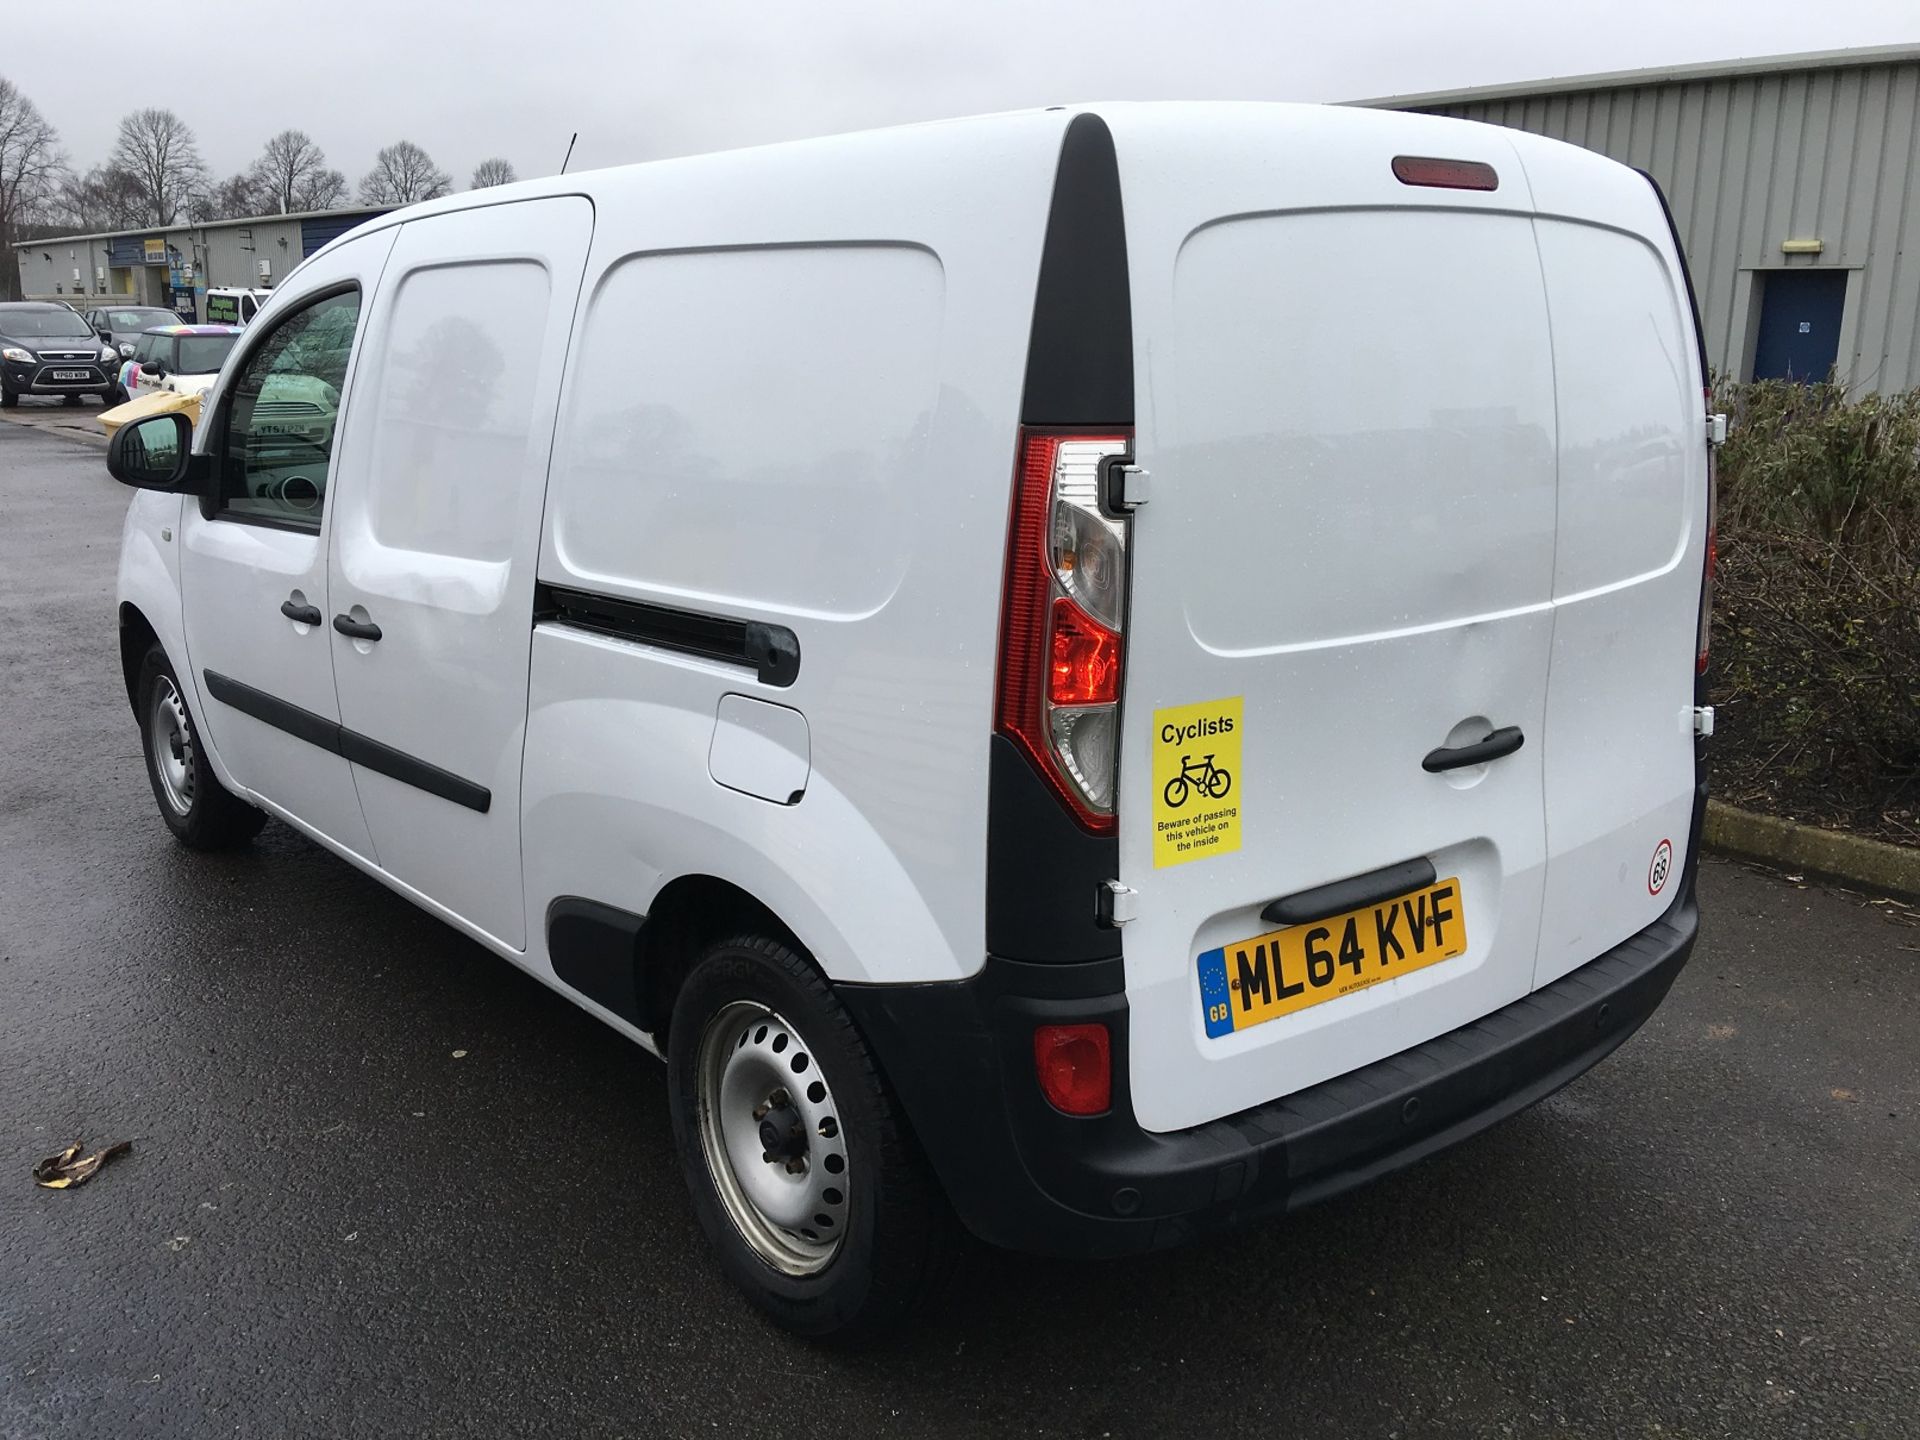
[852,148]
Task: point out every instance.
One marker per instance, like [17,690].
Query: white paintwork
[1352,528]
[1392,499]
[436,529]
[1633,499]
[1365,464]
[760,749]
[233,578]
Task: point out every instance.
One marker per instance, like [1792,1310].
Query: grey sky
[642,79]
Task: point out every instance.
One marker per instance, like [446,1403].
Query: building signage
[155,250]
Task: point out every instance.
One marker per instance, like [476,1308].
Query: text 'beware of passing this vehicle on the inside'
[1002,777]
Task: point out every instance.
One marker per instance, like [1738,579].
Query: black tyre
[802,1171]
[202,813]
[73,400]
[8,399]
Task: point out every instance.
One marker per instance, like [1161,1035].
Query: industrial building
[174,266]
[1795,184]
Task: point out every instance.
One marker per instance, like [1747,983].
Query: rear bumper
[1024,1176]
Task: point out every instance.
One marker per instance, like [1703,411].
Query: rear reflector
[1075,1066]
[1444,174]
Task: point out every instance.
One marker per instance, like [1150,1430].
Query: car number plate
[1253,981]
[70,375]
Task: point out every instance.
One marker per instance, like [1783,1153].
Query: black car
[122,325]
[50,350]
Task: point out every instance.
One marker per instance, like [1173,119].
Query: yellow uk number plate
[1252,981]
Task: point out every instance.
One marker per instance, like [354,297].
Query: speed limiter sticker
[1197,782]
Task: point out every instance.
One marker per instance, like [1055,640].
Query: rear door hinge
[1716,430]
[1130,488]
[1117,903]
[1703,720]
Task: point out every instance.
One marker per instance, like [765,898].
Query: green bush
[1816,641]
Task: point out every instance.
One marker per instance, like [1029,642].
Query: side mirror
[154,370]
[153,453]
[106,336]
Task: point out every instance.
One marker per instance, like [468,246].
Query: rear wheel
[202,813]
[801,1170]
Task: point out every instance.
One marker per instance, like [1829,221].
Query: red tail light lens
[1086,659]
[1063,621]
[1075,1067]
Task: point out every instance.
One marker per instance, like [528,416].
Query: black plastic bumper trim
[595,949]
[1024,1176]
[349,744]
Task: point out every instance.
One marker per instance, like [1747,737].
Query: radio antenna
[563,163]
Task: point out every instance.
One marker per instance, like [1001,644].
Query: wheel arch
[634,965]
[137,635]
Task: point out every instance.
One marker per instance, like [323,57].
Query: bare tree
[158,149]
[30,170]
[493,171]
[104,198]
[234,198]
[292,173]
[402,174]
[322,190]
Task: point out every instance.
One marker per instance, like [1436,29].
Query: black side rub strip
[772,652]
[1457,757]
[1350,894]
[329,735]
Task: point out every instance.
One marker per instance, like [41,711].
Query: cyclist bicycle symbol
[1205,776]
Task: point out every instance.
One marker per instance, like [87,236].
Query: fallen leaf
[459,1054]
[1844,1095]
[69,1168]
[1721,1032]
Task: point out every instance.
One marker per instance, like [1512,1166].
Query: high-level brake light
[1441,174]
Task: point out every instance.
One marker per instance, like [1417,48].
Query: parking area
[383,1182]
[55,416]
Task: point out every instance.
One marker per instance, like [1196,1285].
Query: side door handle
[300,614]
[1500,742]
[358,629]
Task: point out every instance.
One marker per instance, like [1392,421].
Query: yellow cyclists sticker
[1196,781]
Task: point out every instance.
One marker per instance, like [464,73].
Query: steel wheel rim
[170,746]
[754,1069]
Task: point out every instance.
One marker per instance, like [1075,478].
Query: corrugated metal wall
[1750,161]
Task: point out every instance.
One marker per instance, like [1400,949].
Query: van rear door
[1631,553]
[1346,564]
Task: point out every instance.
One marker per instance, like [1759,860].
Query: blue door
[1799,324]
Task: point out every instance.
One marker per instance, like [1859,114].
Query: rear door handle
[358,629]
[1500,742]
[300,614]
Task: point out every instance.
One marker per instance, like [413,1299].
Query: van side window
[278,444]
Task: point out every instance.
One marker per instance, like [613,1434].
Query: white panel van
[1105,672]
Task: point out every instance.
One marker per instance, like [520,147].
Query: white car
[180,359]
[1110,672]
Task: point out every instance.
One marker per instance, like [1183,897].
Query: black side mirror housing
[155,453]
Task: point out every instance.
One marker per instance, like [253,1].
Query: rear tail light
[1063,622]
[1074,1064]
